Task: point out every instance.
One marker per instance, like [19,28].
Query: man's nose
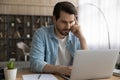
[68,25]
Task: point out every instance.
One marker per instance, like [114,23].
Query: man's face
[63,24]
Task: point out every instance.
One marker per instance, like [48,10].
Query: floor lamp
[107,26]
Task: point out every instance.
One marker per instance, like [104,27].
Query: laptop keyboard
[66,77]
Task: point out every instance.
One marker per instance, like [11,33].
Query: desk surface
[27,71]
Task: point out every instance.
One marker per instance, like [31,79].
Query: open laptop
[93,64]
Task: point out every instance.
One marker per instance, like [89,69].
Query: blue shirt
[44,49]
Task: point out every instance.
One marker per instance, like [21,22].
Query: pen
[39,76]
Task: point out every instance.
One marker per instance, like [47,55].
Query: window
[100,22]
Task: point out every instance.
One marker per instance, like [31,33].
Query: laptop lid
[93,64]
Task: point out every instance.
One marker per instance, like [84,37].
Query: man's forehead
[67,18]
[65,14]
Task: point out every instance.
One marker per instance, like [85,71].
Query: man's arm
[66,70]
[76,30]
[37,51]
[82,41]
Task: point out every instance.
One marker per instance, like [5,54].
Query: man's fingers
[76,22]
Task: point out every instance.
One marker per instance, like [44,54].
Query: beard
[63,32]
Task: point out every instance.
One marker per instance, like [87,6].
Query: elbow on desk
[37,66]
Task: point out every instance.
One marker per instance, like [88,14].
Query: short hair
[64,6]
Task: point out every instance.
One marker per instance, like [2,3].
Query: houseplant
[10,71]
[118,66]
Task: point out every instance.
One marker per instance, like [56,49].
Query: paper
[116,72]
[35,77]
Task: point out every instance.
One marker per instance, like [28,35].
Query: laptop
[93,64]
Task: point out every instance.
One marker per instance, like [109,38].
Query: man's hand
[76,30]
[66,70]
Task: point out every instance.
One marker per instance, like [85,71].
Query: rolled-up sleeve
[37,54]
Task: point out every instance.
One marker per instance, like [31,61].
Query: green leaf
[11,65]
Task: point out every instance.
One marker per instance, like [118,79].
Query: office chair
[24,47]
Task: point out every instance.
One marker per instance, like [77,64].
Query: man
[53,47]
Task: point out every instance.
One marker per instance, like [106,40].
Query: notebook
[42,77]
[93,64]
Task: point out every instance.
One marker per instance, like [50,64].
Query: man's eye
[64,22]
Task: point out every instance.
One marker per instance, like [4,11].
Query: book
[116,72]
[36,76]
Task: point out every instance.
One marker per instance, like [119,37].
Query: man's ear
[54,19]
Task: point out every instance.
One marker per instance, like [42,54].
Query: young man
[53,47]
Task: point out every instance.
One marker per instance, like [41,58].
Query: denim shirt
[44,49]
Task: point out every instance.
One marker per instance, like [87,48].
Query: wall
[29,7]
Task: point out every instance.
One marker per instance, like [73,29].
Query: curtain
[100,23]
